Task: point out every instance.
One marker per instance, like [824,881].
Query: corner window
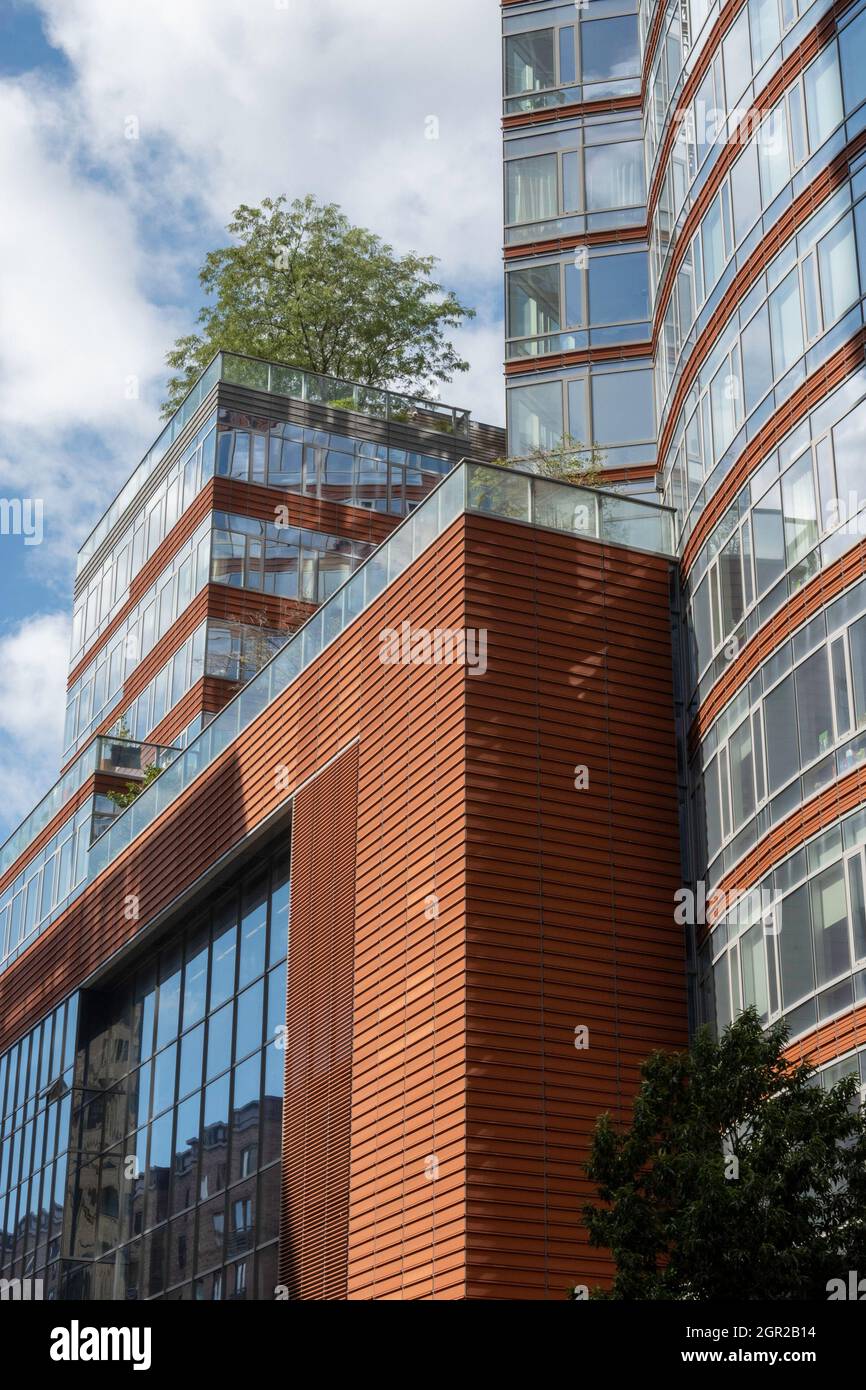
[530,62]
[531,188]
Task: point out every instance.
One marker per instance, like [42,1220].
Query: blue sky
[128,133]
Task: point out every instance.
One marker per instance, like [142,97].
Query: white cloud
[78,331]
[331,96]
[233,100]
[33,661]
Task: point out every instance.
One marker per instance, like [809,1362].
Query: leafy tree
[302,285]
[739,1178]
[132,791]
[569,461]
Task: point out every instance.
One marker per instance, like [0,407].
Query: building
[749,198]
[384,768]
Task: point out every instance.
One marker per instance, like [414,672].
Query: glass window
[823,96]
[780,722]
[800,508]
[772,141]
[765,29]
[814,706]
[838,267]
[737,56]
[746,192]
[533,301]
[848,438]
[567,63]
[712,240]
[572,200]
[578,414]
[574,311]
[786,323]
[535,416]
[852,47]
[529,62]
[532,188]
[224,952]
[830,925]
[609,48]
[731,584]
[614,176]
[742,780]
[857,644]
[858,907]
[757,361]
[795,947]
[618,288]
[754,967]
[622,407]
[724,396]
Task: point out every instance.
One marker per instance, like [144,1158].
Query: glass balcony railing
[121,756]
[491,491]
[127,757]
[281,380]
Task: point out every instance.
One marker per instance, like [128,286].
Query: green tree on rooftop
[300,284]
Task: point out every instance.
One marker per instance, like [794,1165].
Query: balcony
[279,379]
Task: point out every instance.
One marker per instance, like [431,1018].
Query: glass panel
[823,96]
[786,324]
[857,643]
[535,417]
[612,423]
[772,141]
[609,48]
[765,29]
[533,302]
[838,265]
[754,968]
[780,725]
[814,706]
[769,537]
[742,782]
[795,947]
[531,188]
[529,62]
[800,509]
[830,925]
[618,288]
[614,176]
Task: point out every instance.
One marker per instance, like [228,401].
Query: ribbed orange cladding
[459,908]
[570,898]
[314,1214]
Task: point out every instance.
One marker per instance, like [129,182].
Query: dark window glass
[830,925]
[219,1041]
[814,706]
[769,538]
[795,947]
[254,922]
[609,48]
[249,1019]
[223,953]
[618,288]
[191,1048]
[780,722]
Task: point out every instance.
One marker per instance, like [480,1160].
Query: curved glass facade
[756,183]
[729,274]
